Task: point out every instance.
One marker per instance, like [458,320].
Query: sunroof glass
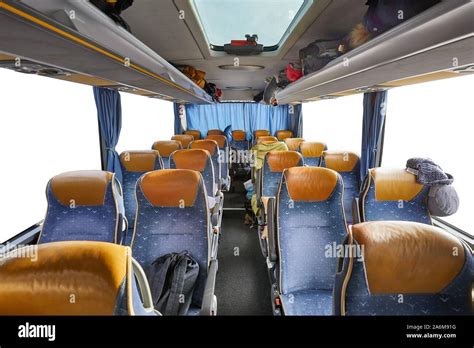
[226,20]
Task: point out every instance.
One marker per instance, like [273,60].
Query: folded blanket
[428,173]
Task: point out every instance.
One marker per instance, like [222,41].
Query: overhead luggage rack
[432,45]
[112,55]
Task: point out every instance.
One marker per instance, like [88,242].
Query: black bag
[172,280]
[114,10]
[318,54]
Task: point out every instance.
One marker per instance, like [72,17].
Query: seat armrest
[271,226]
[209,301]
[356,211]
[123,228]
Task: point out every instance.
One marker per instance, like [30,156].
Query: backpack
[318,54]
[172,281]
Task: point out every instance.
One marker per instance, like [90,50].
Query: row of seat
[319,265]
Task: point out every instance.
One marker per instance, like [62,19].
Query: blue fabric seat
[274,165]
[101,276]
[173,216]
[310,223]
[312,152]
[239,140]
[394,194]
[166,148]
[403,268]
[134,164]
[212,148]
[83,205]
[347,164]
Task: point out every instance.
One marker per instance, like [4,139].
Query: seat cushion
[308,302]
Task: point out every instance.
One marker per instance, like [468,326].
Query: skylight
[271,20]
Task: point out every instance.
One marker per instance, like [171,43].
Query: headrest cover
[139,161]
[408,257]
[194,159]
[167,147]
[220,139]
[184,139]
[195,133]
[215,132]
[239,135]
[310,184]
[85,188]
[394,184]
[266,139]
[311,149]
[261,133]
[293,143]
[171,187]
[283,134]
[91,271]
[340,161]
[278,161]
[210,145]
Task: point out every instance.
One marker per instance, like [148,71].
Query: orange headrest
[215,132]
[283,134]
[171,187]
[394,184]
[311,149]
[194,159]
[220,139]
[184,139]
[293,143]
[139,161]
[261,133]
[310,184]
[278,161]
[340,161]
[206,144]
[195,133]
[239,135]
[266,139]
[167,147]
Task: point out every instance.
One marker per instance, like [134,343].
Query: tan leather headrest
[194,159]
[310,184]
[394,184]
[408,257]
[167,147]
[215,132]
[261,133]
[220,139]
[84,188]
[278,161]
[293,143]
[239,135]
[64,278]
[184,139]
[311,149]
[340,161]
[139,161]
[195,133]
[210,145]
[266,139]
[171,187]
[283,134]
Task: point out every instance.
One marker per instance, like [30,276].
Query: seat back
[239,140]
[215,132]
[166,148]
[212,147]
[283,134]
[347,164]
[403,268]
[134,164]
[195,133]
[173,216]
[98,276]
[261,133]
[223,153]
[184,139]
[312,152]
[274,165]
[310,219]
[293,143]
[266,139]
[83,205]
[394,194]
[198,160]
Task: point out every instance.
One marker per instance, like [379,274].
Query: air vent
[235,88]
[241,67]
[29,67]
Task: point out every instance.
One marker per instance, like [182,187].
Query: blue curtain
[242,116]
[296,121]
[178,126]
[375,106]
[109,112]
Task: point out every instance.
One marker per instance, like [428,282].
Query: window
[47,127]
[435,120]
[271,20]
[336,122]
[144,121]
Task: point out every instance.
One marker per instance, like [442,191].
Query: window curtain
[109,112]
[241,116]
[375,106]
[296,120]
